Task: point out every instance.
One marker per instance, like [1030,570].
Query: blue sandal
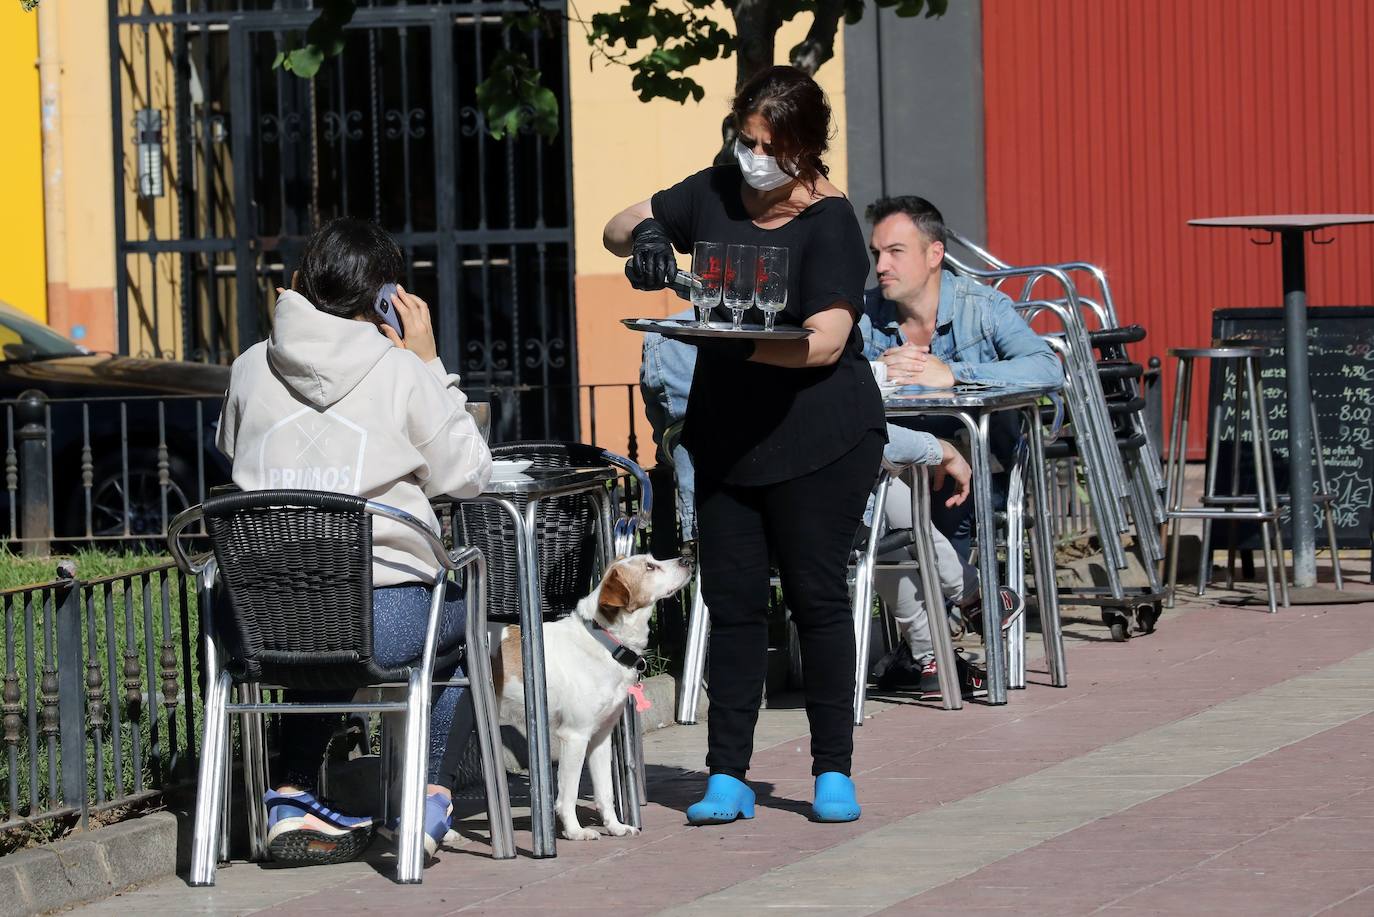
[726,799]
[438,820]
[835,801]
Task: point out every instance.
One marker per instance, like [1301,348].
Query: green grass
[128,625]
[17,572]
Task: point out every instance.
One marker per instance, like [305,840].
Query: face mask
[761,173]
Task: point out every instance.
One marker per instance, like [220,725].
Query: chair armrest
[436,544]
[646,489]
[626,527]
[185,562]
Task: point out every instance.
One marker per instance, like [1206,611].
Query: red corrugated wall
[1111,123]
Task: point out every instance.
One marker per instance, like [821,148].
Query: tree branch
[819,44]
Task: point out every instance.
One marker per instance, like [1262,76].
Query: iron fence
[224,164]
[100,698]
[102,694]
[115,470]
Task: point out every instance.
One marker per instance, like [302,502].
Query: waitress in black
[786,436]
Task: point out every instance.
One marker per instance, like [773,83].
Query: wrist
[648,224]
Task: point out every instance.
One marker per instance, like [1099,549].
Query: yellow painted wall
[87,173]
[23,275]
[623,151]
[86,277]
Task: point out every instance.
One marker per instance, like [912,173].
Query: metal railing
[101,695]
[114,471]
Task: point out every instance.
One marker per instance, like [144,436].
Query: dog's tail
[507,666]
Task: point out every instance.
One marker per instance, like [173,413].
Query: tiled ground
[1222,765]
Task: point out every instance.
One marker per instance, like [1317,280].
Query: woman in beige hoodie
[336,400]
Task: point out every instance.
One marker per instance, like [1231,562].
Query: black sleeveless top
[753,424]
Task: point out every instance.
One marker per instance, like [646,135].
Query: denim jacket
[978,333]
[665,380]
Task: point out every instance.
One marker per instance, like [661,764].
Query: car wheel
[146,522]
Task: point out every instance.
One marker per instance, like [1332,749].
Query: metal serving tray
[688,328]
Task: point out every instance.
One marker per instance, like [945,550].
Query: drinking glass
[741,269]
[708,263]
[770,287]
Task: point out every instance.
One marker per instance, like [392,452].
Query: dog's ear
[615,591]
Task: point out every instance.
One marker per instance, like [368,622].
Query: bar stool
[1262,506]
[1325,498]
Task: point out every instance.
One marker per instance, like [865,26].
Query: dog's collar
[619,651]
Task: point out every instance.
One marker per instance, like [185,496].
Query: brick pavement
[1221,765]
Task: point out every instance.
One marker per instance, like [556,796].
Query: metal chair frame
[1076,335]
[210,833]
[1108,319]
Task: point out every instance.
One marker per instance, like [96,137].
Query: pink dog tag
[642,703]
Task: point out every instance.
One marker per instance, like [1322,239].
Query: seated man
[665,379]
[934,328]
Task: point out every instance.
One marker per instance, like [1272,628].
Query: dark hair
[921,211]
[345,263]
[798,115]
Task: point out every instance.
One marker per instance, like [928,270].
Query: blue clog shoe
[835,800]
[726,799]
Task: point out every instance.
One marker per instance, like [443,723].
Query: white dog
[591,661]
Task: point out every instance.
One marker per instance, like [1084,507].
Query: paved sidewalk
[1224,764]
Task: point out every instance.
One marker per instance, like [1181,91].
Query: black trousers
[807,526]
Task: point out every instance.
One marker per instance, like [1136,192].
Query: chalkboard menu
[1340,348]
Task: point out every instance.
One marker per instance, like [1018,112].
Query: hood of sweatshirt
[320,356]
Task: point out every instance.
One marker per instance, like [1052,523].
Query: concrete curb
[88,866]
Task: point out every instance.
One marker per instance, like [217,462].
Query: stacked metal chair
[1109,440]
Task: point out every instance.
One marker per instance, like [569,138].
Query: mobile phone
[386,310]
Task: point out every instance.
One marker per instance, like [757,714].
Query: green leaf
[304,62]
[324,38]
[513,98]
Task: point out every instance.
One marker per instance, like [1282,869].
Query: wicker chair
[296,567]
[578,537]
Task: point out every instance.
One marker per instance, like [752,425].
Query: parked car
[105,411]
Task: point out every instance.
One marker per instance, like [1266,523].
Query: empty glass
[708,263]
[770,287]
[741,266]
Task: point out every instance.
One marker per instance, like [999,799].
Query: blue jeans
[399,616]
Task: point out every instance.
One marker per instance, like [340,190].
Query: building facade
[223,165]
[1093,130]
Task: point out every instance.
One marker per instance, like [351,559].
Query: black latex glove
[653,263]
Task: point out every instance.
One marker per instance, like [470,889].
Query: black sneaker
[973,677]
[897,669]
[1013,606]
[929,683]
